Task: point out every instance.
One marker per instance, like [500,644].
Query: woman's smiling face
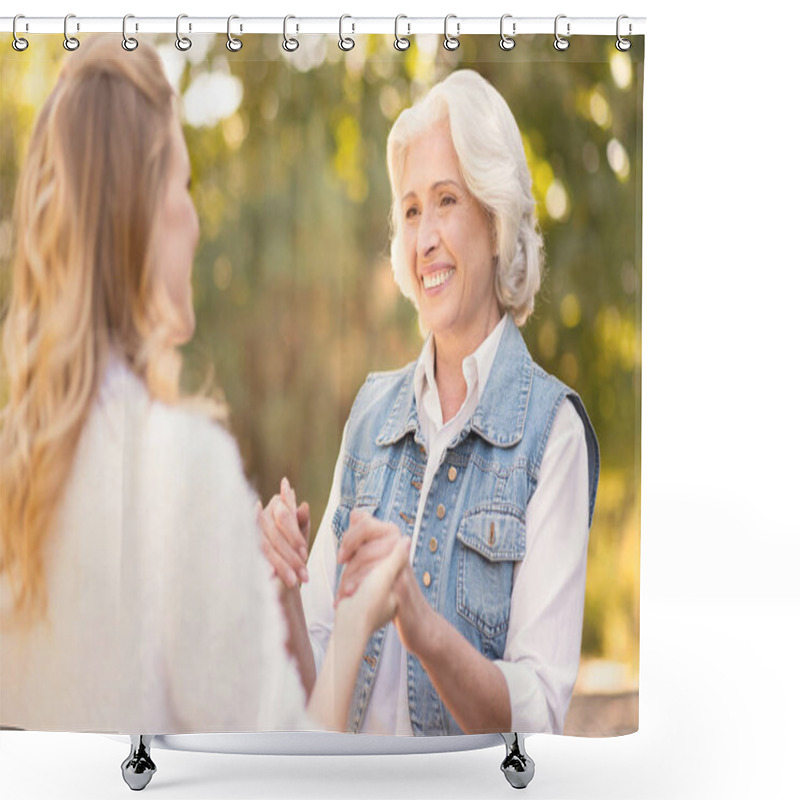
[448,241]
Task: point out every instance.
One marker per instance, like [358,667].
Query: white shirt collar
[475,367]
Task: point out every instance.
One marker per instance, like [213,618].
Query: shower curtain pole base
[517,766]
[138,768]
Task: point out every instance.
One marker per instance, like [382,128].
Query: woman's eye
[448,200]
[411,212]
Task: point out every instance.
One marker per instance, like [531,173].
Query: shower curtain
[295,303]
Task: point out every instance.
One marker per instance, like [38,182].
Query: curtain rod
[349,25]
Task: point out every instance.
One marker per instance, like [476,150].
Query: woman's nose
[428,234]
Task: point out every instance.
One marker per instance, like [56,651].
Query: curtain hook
[345,43]
[290,44]
[560,42]
[623,44]
[451,42]
[70,42]
[506,42]
[183,43]
[233,44]
[400,42]
[128,42]
[19,44]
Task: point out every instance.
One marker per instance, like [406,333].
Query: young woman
[134,595]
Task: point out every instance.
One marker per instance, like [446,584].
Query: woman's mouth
[437,278]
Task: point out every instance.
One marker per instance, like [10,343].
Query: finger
[394,563]
[274,522]
[382,578]
[287,494]
[294,527]
[304,523]
[286,522]
[364,529]
[282,569]
[365,558]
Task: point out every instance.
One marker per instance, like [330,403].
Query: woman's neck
[449,354]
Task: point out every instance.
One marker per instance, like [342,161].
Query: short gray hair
[492,161]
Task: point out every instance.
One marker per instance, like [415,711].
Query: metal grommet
[400,42]
[70,42]
[560,42]
[233,44]
[506,42]
[623,44]
[183,43]
[19,44]
[345,42]
[290,44]
[451,42]
[128,42]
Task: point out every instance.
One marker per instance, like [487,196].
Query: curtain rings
[19,44]
[623,44]
[345,42]
[183,43]
[506,42]
[233,44]
[451,42]
[70,42]
[400,42]
[560,42]
[289,44]
[128,42]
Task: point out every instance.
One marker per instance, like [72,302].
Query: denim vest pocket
[491,538]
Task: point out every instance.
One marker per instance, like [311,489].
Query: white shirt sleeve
[224,658]
[318,594]
[542,653]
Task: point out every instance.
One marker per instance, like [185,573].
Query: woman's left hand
[364,544]
[375,601]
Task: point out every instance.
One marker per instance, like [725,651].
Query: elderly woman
[134,595]
[487,463]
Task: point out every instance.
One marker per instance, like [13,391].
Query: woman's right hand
[285,532]
[375,601]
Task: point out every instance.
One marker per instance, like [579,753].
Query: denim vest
[473,528]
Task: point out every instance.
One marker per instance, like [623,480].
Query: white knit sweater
[163,616]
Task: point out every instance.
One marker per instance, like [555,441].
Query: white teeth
[437,279]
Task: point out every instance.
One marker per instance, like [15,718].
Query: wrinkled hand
[365,543]
[374,603]
[285,532]
[415,619]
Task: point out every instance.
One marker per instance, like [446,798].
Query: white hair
[492,162]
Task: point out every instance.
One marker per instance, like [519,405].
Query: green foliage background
[292,285]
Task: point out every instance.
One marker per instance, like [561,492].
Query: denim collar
[507,391]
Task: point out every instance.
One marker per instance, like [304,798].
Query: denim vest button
[440,511]
[452,473]
[434,545]
[426,579]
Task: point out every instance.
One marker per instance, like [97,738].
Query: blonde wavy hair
[83,284]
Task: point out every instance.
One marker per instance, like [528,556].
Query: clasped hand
[365,544]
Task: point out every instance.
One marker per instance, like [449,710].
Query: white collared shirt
[542,652]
